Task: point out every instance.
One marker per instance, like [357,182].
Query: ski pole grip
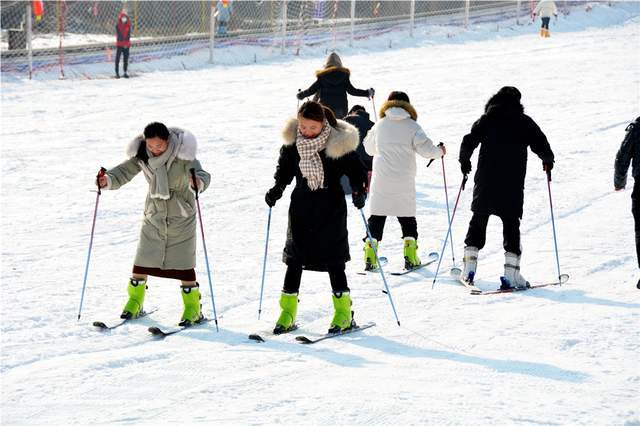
[548,175]
[195,181]
[464,181]
[101,173]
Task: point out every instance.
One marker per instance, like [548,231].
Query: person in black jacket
[359,117]
[629,153]
[505,132]
[332,85]
[317,150]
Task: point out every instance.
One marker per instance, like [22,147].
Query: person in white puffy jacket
[393,142]
[545,9]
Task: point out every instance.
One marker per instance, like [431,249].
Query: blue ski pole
[93,227]
[204,246]
[264,262]
[444,246]
[553,225]
[384,279]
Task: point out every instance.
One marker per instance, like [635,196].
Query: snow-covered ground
[558,355]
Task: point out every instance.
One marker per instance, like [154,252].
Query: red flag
[38,9]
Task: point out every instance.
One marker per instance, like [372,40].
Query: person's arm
[370,143]
[356,92]
[540,146]
[469,143]
[203,177]
[425,147]
[122,173]
[310,91]
[623,159]
[285,172]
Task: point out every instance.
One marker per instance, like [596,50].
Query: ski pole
[455,207]
[446,196]
[93,227]
[553,225]
[375,112]
[375,251]
[204,246]
[264,262]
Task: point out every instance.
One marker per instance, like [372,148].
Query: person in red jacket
[123,43]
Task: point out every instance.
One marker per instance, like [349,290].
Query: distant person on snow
[123,42]
[359,117]
[332,85]
[545,8]
[317,150]
[629,153]
[505,132]
[167,245]
[394,142]
[223,9]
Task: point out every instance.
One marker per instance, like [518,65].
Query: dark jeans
[477,233]
[124,51]
[545,22]
[408,224]
[635,209]
[293,276]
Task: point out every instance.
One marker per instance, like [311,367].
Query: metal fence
[70,36]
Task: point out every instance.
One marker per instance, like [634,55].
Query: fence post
[353,21]
[466,13]
[29,37]
[518,13]
[412,18]
[212,28]
[284,26]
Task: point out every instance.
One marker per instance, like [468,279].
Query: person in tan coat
[167,245]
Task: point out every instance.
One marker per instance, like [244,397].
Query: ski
[382,261]
[457,274]
[104,327]
[158,332]
[258,336]
[563,279]
[306,341]
[432,257]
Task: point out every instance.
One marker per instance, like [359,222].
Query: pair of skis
[307,341]
[156,331]
[431,258]
[457,273]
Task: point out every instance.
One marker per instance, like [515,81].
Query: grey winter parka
[168,234]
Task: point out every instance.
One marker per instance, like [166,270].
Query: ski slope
[557,355]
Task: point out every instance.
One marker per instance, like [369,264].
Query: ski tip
[564,278]
[100,324]
[304,340]
[455,271]
[433,255]
[256,337]
[156,331]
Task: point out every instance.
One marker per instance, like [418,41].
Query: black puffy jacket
[629,153]
[331,87]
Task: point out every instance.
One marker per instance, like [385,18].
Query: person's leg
[125,61]
[409,227]
[376,228]
[474,242]
[513,251]
[289,299]
[118,53]
[342,317]
[136,289]
[635,210]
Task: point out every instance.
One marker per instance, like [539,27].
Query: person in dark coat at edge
[505,132]
[123,42]
[317,150]
[629,154]
[359,117]
[332,85]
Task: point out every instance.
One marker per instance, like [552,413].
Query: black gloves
[465,166]
[273,195]
[547,166]
[358,199]
[371,92]
[299,95]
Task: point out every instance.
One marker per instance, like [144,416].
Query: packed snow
[558,355]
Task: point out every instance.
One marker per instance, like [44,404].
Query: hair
[156,130]
[356,108]
[315,111]
[507,96]
[398,96]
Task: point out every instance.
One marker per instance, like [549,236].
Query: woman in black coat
[317,150]
[332,85]
[505,132]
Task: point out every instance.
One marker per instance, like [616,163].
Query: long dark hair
[312,110]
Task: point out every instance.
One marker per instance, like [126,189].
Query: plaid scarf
[310,161]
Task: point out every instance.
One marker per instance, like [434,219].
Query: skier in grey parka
[167,246]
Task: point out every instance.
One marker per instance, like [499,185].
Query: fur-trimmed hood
[329,70]
[343,139]
[399,104]
[188,144]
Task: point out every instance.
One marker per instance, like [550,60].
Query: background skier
[123,42]
[505,132]
[167,246]
[545,8]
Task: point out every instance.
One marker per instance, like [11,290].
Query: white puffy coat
[393,142]
[545,9]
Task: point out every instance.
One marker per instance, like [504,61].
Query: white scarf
[156,169]
[310,161]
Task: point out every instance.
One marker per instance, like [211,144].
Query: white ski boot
[512,274]
[470,260]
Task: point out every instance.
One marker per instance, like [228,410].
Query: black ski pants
[124,51]
[292,278]
[545,22]
[408,224]
[477,233]
[635,209]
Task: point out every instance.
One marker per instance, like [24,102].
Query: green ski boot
[343,316]
[370,260]
[135,289]
[192,313]
[286,321]
[411,259]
